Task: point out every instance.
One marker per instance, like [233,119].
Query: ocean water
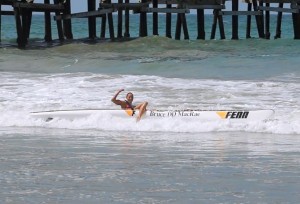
[80,27]
[104,160]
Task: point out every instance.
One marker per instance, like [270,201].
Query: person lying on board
[127,104]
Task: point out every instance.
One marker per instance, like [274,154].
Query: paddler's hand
[114,99]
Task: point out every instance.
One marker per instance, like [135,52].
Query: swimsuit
[129,107]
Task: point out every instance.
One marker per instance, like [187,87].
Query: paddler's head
[129,97]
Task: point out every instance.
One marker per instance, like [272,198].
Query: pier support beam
[185,28]
[92,19]
[214,26]
[235,20]
[267,24]
[221,27]
[278,24]
[217,18]
[248,29]
[169,23]
[19,27]
[143,22]
[296,24]
[23,22]
[23,16]
[110,24]
[155,18]
[103,26]
[259,21]
[181,22]
[59,24]
[178,28]
[261,3]
[120,20]
[0,21]
[200,24]
[67,22]
[107,16]
[126,33]
[48,33]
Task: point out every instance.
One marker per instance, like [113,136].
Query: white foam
[23,93]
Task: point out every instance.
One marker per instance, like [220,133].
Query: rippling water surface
[65,166]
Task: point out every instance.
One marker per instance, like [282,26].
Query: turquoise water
[80,27]
[101,160]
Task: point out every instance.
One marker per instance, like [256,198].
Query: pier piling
[259,23]
[235,20]
[185,27]
[48,32]
[201,24]
[103,26]
[248,29]
[143,22]
[296,21]
[217,19]
[178,28]
[67,22]
[126,33]
[169,22]
[20,39]
[59,23]
[0,20]
[155,18]
[267,24]
[111,24]
[92,19]
[278,24]
[221,26]
[22,11]
[120,20]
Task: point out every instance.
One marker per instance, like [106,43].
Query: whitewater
[101,159]
[39,92]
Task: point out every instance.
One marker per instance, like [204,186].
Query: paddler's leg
[142,109]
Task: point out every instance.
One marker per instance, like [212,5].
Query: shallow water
[72,166]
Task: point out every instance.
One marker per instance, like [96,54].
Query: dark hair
[128,94]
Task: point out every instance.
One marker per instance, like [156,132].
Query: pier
[58,12]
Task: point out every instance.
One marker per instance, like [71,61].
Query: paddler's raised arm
[115,100]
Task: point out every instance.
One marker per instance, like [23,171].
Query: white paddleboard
[204,115]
